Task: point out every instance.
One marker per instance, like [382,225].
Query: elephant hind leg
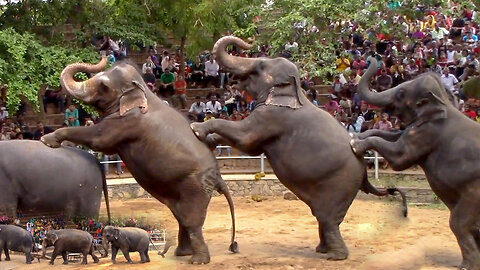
[463,222]
[91,252]
[143,258]
[147,256]
[7,255]
[322,246]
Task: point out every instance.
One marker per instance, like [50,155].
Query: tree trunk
[41,94]
[182,56]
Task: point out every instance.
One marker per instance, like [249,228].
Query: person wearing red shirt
[180,97]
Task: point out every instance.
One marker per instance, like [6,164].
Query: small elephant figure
[69,240]
[128,239]
[16,239]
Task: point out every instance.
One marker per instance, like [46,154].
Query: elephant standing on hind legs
[307,148]
[439,138]
[156,144]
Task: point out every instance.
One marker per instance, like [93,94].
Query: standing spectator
[3,114]
[118,163]
[166,83]
[71,116]
[180,97]
[211,72]
[449,80]
[214,106]
[165,61]
[41,130]
[148,65]
[332,106]
[198,109]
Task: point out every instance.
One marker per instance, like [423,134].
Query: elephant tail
[105,193]
[368,188]
[223,189]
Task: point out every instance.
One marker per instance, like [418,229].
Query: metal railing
[262,158]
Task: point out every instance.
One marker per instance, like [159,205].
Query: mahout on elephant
[441,140]
[69,240]
[37,179]
[17,239]
[156,144]
[128,239]
[307,148]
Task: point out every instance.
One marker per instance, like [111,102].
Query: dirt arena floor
[281,234]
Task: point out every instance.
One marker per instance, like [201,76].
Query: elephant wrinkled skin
[69,240]
[156,144]
[440,139]
[40,180]
[307,148]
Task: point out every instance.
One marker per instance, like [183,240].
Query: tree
[26,65]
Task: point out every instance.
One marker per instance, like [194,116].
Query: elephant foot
[50,140]
[200,259]
[96,261]
[357,148]
[7,259]
[334,255]
[470,265]
[29,262]
[321,248]
[66,262]
[130,262]
[181,251]
[51,263]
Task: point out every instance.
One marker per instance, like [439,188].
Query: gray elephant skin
[156,144]
[128,239]
[17,239]
[307,148]
[440,139]
[69,241]
[40,180]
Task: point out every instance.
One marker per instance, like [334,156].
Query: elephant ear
[132,98]
[430,108]
[116,233]
[283,96]
[54,238]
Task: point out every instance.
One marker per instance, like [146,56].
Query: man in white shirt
[211,72]
[214,106]
[165,61]
[449,80]
[198,109]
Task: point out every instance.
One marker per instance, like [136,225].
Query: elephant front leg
[397,153]
[65,257]
[322,246]
[54,256]
[114,253]
[126,254]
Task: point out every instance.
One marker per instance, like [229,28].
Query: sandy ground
[280,234]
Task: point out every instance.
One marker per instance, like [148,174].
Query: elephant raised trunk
[384,98]
[85,90]
[237,65]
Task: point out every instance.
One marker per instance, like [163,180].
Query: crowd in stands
[446,45]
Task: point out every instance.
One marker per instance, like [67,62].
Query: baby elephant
[16,239]
[69,240]
[128,239]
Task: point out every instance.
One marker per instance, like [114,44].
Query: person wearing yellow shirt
[342,63]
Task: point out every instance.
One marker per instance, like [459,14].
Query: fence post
[262,163]
[376,164]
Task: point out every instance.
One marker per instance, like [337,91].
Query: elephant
[441,140]
[69,240]
[156,144]
[38,180]
[306,147]
[16,239]
[128,239]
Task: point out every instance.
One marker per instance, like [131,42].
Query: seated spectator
[469,112]
[332,106]
[166,83]
[179,99]
[411,70]
[346,105]
[230,100]
[236,115]
[470,39]
[55,97]
[214,106]
[449,80]
[198,109]
[355,123]
[3,114]
[41,130]
[383,123]
[208,116]
[337,85]
[71,116]
[310,98]
[211,73]
[384,81]
[148,76]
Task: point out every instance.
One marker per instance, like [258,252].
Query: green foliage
[26,65]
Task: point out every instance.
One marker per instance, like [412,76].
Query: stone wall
[270,188]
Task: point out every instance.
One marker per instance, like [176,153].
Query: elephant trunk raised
[237,65]
[85,90]
[384,98]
